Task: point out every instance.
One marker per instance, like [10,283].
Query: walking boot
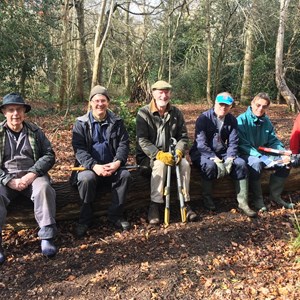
[257,196]
[241,188]
[153,213]
[190,214]
[208,202]
[2,256]
[276,188]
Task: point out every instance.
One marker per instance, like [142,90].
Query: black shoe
[121,224]
[81,230]
[208,203]
[153,213]
[190,214]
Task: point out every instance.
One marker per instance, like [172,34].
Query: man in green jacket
[256,130]
[26,156]
[156,124]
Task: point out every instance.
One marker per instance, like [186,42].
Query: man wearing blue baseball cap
[215,152]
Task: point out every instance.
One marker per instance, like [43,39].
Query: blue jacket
[116,135]
[208,143]
[254,132]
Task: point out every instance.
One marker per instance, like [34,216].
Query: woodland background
[57,50]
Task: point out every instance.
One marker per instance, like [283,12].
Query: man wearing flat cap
[101,145]
[156,124]
[26,156]
[215,152]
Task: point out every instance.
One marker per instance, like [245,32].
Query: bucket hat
[14,99]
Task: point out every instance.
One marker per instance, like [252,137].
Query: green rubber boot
[241,188]
[276,188]
[207,186]
[257,195]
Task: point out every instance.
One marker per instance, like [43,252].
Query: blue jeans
[256,166]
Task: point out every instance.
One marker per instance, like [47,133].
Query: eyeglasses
[99,101]
[262,106]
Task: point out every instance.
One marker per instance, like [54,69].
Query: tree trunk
[68,202]
[209,54]
[127,54]
[100,38]
[64,60]
[83,58]
[246,84]
[284,90]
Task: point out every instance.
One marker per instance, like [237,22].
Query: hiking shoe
[153,214]
[48,248]
[81,230]
[121,224]
[190,214]
[2,256]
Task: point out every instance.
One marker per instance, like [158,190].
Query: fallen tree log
[68,203]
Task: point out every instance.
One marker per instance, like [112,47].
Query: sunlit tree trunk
[279,72]
[246,83]
[209,54]
[103,26]
[126,63]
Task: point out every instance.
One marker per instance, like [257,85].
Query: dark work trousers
[209,171]
[89,185]
[256,166]
[43,197]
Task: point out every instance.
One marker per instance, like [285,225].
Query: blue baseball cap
[224,98]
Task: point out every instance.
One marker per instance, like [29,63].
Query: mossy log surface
[68,203]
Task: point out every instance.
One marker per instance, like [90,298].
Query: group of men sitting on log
[223,145]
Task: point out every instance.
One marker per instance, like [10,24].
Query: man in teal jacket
[255,129]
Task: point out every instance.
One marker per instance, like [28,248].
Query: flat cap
[161,85]
[98,89]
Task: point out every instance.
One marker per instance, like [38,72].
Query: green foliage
[25,44]
[189,86]
[128,114]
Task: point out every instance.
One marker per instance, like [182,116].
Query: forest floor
[224,255]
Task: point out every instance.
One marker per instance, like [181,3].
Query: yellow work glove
[166,157]
[179,155]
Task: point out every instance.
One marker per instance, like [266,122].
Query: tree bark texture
[246,84]
[68,202]
[281,84]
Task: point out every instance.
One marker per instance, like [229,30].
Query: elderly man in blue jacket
[101,145]
[256,130]
[215,152]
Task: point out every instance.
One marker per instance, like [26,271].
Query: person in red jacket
[295,137]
